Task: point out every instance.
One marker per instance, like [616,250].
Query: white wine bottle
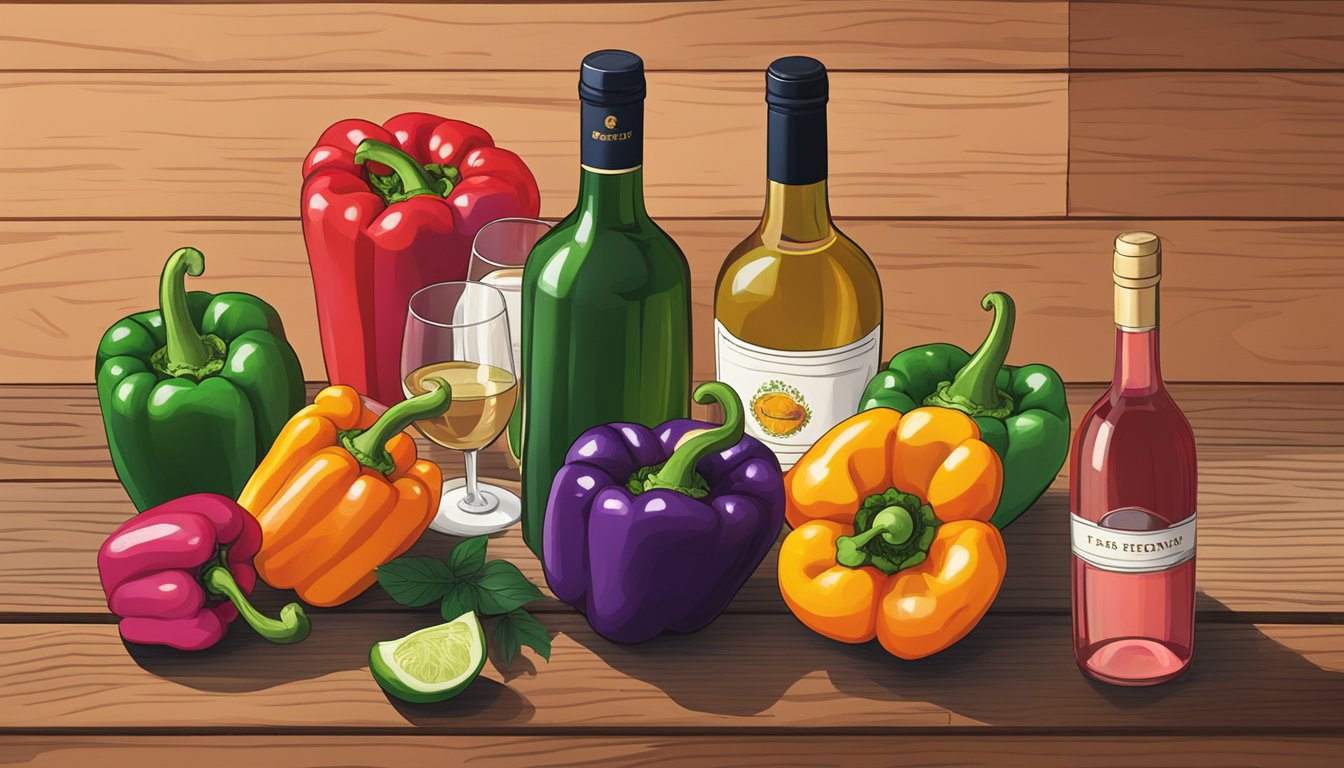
[798,305]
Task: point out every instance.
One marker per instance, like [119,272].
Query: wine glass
[498,254]
[459,332]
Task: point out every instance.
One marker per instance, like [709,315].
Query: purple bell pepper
[178,573]
[649,530]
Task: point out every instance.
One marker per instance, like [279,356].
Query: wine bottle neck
[611,182]
[611,199]
[796,216]
[1137,362]
[796,145]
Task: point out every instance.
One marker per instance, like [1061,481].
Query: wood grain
[1249,560]
[855,34]
[1206,34]
[1241,301]
[55,432]
[807,750]
[767,673]
[1206,144]
[193,145]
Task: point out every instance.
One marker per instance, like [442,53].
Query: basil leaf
[416,581]
[518,628]
[501,587]
[461,598]
[468,557]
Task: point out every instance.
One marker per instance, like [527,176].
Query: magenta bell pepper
[649,530]
[178,573]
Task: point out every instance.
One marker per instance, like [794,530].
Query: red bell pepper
[386,211]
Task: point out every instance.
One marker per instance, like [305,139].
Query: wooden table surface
[975,145]
[754,688]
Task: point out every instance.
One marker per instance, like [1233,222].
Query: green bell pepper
[194,411]
[1021,411]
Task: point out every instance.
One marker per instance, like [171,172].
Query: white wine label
[1133,551]
[793,398]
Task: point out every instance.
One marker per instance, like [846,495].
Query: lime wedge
[433,664]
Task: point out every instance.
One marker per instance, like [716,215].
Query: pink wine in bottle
[1132,497]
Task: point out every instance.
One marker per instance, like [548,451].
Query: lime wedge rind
[433,664]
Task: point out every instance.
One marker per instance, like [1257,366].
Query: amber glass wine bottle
[798,305]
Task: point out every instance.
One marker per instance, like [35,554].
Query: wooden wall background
[975,145]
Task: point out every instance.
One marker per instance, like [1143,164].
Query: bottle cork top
[1138,256]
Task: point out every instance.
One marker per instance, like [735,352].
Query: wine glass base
[455,521]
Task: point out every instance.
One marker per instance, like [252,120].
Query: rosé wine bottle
[1132,496]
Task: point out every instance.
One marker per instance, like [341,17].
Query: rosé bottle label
[1133,551]
[793,398]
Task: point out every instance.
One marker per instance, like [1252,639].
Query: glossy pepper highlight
[342,493]
[177,575]
[386,211]
[649,530]
[194,393]
[1021,411]
[891,538]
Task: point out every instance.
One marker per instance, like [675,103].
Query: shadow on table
[340,641]
[1015,668]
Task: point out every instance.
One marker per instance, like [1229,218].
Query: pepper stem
[678,473]
[893,523]
[973,390]
[369,445]
[414,180]
[892,532]
[292,626]
[187,352]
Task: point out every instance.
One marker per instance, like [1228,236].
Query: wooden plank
[55,432]
[855,34]
[775,751]
[1206,144]
[1206,34]
[1242,301]
[51,531]
[192,145]
[767,673]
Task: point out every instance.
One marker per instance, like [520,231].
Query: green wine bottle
[606,296]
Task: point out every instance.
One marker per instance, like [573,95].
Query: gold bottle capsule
[1137,268]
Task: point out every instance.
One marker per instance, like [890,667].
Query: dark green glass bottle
[606,296]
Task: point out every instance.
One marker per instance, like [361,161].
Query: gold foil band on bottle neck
[1137,269]
[609,171]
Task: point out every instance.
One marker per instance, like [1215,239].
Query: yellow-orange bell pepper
[891,536]
[341,492]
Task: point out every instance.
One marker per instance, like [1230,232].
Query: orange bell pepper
[341,492]
[891,536]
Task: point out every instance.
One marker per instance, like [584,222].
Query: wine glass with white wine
[498,253]
[459,332]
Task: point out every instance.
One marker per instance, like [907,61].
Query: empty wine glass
[459,332]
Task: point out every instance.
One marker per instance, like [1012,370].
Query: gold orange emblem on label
[779,409]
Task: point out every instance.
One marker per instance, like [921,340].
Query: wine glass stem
[473,491]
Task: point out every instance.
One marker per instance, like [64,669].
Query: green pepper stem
[414,180]
[369,445]
[186,350]
[975,382]
[894,524]
[292,626]
[678,474]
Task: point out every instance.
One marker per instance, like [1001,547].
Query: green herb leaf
[416,581]
[501,587]
[518,628]
[461,597]
[468,557]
